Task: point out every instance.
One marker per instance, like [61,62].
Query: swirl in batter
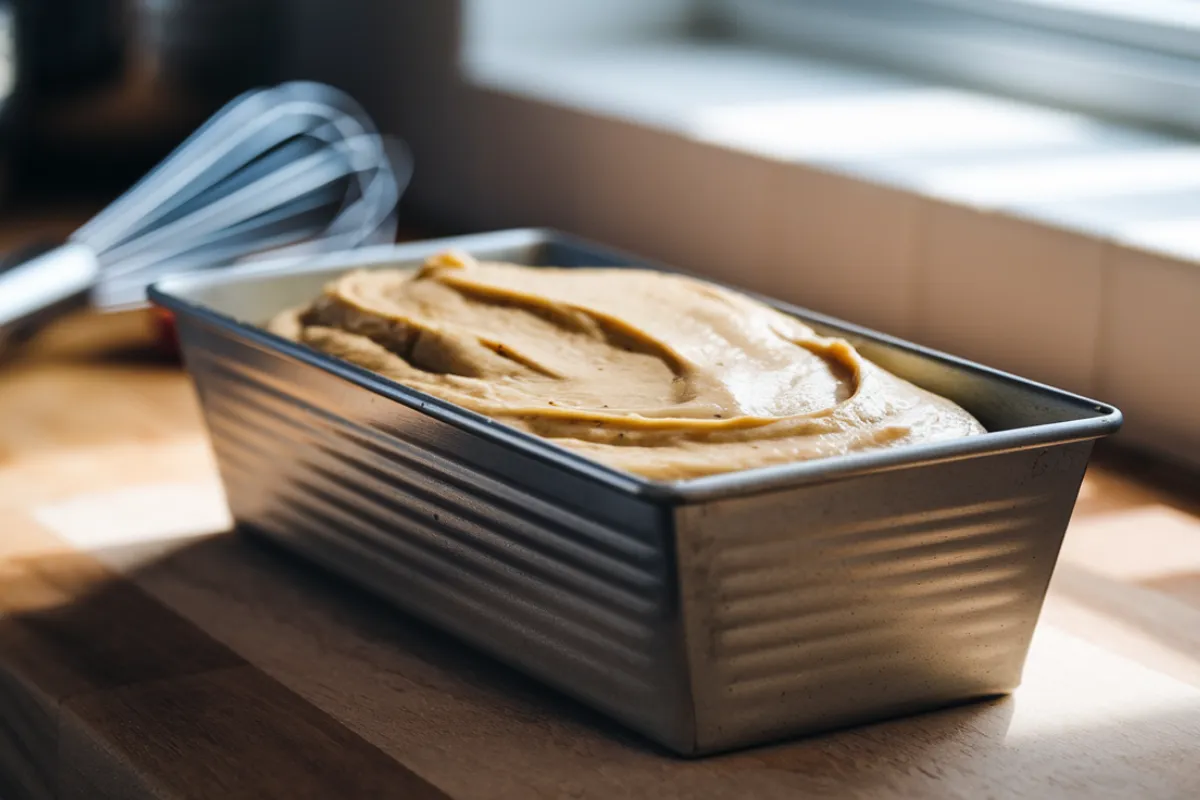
[657,374]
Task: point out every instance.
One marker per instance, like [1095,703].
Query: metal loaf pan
[707,614]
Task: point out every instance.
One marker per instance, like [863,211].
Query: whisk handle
[38,283]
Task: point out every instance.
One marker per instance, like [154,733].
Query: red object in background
[165,335]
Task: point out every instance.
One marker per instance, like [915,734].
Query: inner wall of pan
[999,403]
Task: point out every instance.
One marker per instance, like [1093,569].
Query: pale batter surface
[661,375]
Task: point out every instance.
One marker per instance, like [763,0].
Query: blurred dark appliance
[101,89]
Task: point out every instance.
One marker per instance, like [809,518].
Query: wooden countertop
[147,652]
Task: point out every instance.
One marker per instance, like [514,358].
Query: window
[1134,59]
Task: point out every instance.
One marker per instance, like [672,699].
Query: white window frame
[1137,60]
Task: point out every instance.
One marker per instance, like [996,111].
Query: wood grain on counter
[148,652]
[234,734]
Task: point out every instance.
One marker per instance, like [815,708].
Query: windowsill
[1065,169]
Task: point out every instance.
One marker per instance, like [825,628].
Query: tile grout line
[1108,268]
[919,269]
